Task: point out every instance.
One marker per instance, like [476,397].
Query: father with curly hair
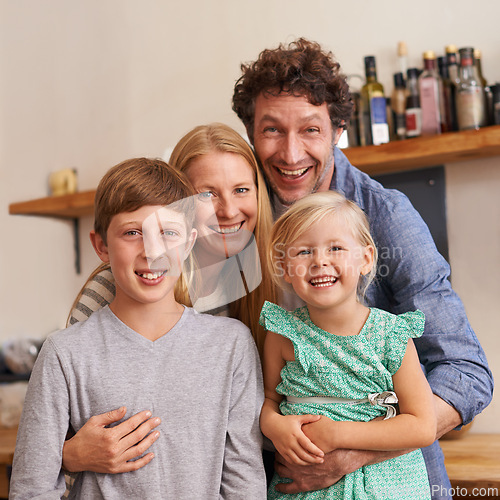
[295,103]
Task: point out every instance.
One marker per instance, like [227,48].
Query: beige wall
[88,84]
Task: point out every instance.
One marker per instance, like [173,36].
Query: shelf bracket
[76,244]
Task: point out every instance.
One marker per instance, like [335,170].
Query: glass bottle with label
[373,116]
[398,106]
[470,93]
[413,111]
[430,87]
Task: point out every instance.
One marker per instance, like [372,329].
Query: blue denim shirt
[411,275]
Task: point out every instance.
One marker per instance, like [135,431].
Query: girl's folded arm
[285,431]
[413,427]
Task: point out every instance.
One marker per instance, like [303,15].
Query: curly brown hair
[300,68]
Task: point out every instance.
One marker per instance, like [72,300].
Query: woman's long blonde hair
[217,137]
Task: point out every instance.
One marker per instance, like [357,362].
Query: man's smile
[292,174]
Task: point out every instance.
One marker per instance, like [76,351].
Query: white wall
[88,84]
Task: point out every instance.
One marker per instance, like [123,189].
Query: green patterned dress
[349,367]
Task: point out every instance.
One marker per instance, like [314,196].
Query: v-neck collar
[137,337]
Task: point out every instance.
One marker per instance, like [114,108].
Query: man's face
[294,140]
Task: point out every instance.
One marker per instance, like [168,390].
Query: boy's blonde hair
[305,213]
[140,182]
[218,137]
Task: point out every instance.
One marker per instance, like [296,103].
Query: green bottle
[374,128]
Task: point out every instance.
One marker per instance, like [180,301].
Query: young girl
[339,359]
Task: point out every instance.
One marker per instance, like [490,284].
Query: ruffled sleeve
[407,325]
[276,319]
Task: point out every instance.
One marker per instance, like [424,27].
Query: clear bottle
[373,117]
[398,106]
[413,111]
[430,87]
[488,96]
[470,93]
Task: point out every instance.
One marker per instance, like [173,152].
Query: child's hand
[292,443]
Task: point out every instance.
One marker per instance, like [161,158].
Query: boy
[199,373]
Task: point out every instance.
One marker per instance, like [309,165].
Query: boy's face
[146,249]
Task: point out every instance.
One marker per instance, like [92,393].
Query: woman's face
[227,204]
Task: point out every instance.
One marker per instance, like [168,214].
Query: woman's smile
[227,229]
[226,213]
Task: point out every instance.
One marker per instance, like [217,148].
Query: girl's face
[326,262]
[227,208]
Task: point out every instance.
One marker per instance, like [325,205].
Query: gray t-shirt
[202,378]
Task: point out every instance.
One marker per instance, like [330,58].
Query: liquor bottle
[398,106]
[447,93]
[413,111]
[495,90]
[470,93]
[403,58]
[390,119]
[452,59]
[373,117]
[430,87]
[488,96]
[353,127]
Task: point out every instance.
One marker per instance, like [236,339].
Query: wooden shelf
[396,156]
[427,151]
[68,206]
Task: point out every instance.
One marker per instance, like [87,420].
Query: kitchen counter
[7,446]
[473,461]
[473,465]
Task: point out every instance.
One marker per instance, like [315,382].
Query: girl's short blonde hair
[305,213]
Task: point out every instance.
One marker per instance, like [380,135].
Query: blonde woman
[233,212]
